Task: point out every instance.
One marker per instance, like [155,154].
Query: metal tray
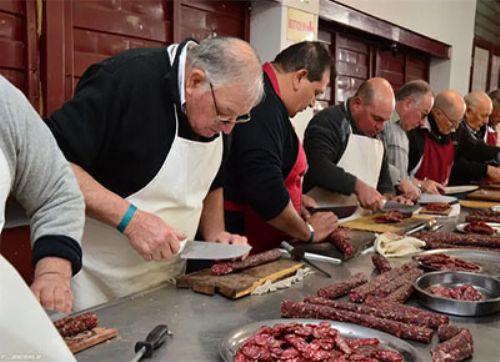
[489,261]
[490,287]
[232,342]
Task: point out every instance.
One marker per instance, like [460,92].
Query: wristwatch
[311,232]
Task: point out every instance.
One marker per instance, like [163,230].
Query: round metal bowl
[488,286]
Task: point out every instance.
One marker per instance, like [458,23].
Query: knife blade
[298,254]
[396,206]
[212,251]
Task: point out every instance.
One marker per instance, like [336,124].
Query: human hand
[368,197]
[493,173]
[307,203]
[401,199]
[432,187]
[323,223]
[152,238]
[52,284]
[409,190]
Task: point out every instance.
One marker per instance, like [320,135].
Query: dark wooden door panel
[352,63]
[416,68]
[390,66]
[19,46]
[201,19]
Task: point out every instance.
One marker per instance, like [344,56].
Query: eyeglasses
[228,120]
[453,123]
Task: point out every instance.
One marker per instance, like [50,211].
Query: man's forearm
[212,215]
[290,222]
[100,203]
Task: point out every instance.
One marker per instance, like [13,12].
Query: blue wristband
[126,218]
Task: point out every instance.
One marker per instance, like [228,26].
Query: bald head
[372,105]
[479,108]
[448,110]
[376,90]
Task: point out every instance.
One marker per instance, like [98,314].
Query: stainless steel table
[199,321]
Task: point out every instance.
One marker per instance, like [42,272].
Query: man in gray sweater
[33,170]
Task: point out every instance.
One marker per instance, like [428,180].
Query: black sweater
[263,153]
[120,124]
[325,141]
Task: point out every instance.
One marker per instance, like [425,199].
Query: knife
[298,254]
[396,206]
[212,251]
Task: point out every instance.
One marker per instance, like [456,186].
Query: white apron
[362,158]
[111,266]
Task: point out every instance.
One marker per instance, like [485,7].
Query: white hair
[229,61]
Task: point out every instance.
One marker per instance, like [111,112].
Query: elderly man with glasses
[263,188]
[432,151]
[145,133]
[413,103]
[476,160]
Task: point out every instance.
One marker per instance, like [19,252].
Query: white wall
[449,21]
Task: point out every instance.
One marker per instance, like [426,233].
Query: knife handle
[154,339]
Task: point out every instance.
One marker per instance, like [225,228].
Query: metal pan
[488,286]
[489,262]
[232,342]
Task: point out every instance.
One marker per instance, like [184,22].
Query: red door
[82,32]
[201,19]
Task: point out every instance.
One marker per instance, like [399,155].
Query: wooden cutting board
[478,204]
[485,194]
[368,223]
[237,285]
[90,338]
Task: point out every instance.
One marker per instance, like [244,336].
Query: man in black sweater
[475,160]
[327,137]
[263,185]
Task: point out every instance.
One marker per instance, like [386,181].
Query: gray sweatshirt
[35,172]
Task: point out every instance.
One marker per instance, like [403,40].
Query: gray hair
[495,97]
[416,89]
[229,61]
[475,98]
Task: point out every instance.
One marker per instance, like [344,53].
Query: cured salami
[447,331]
[483,215]
[290,309]
[359,294]
[460,239]
[437,206]
[458,348]
[251,261]
[340,238]
[401,294]
[439,245]
[435,319]
[389,287]
[311,342]
[71,326]
[381,263]
[479,227]
[342,288]
[386,312]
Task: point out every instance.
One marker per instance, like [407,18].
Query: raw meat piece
[390,217]
[71,326]
[479,227]
[465,292]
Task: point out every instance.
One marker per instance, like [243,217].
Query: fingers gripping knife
[153,341]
